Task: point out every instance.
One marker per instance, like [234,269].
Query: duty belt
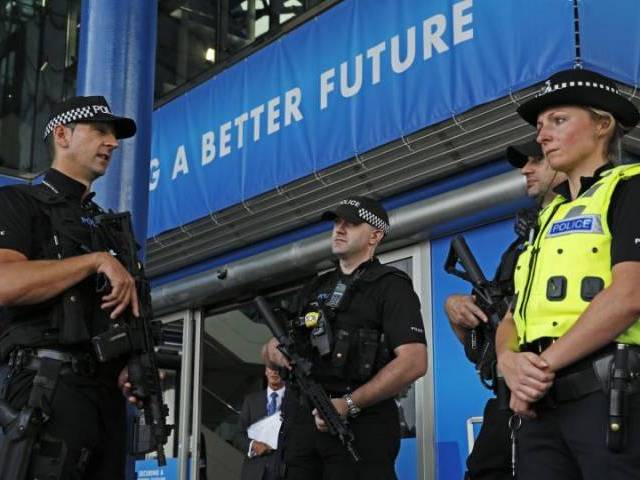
[581,379]
[83,364]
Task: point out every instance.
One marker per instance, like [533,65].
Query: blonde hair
[613,146]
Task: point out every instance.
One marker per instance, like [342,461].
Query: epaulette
[377,271]
[41,193]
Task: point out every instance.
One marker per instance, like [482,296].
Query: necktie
[272,406]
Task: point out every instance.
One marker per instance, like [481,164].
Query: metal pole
[186,377]
[117,60]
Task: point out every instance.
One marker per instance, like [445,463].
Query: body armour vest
[73,317]
[569,262]
[357,349]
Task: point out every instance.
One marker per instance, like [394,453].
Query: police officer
[576,286]
[49,268]
[378,349]
[491,454]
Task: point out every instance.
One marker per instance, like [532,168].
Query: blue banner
[610,39]
[364,73]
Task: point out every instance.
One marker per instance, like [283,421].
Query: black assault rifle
[479,345]
[301,376]
[133,336]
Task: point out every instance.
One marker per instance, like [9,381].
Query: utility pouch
[383,356]
[71,319]
[367,347]
[340,352]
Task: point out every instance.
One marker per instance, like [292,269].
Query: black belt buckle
[83,364]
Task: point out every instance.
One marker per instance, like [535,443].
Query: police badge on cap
[582,88]
[88,109]
[360,209]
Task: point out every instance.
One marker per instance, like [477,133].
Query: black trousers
[569,443]
[313,455]
[490,458]
[89,416]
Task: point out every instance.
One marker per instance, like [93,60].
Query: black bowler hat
[584,88]
[518,155]
[360,209]
[88,109]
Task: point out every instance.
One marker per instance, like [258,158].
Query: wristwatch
[352,409]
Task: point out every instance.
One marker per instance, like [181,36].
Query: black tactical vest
[358,345]
[73,317]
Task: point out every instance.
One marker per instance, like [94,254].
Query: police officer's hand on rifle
[463,311]
[273,356]
[341,407]
[464,314]
[123,286]
[126,386]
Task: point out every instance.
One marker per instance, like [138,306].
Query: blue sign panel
[150,470]
[609,38]
[458,392]
[362,74]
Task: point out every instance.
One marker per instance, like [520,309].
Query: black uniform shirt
[622,216]
[397,305]
[23,225]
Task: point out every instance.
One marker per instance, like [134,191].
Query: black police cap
[358,209]
[518,155]
[582,88]
[88,109]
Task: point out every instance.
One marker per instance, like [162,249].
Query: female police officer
[576,292]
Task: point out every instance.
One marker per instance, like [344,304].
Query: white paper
[266,430]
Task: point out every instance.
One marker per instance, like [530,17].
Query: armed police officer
[377,348]
[490,458]
[569,351]
[52,279]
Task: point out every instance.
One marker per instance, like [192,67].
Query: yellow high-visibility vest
[568,263]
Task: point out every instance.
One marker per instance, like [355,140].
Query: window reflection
[38,52]
[194,35]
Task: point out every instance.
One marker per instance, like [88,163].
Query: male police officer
[48,287]
[491,455]
[378,349]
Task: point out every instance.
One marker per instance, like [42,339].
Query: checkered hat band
[70,116]
[548,88]
[374,220]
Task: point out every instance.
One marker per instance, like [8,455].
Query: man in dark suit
[262,461]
